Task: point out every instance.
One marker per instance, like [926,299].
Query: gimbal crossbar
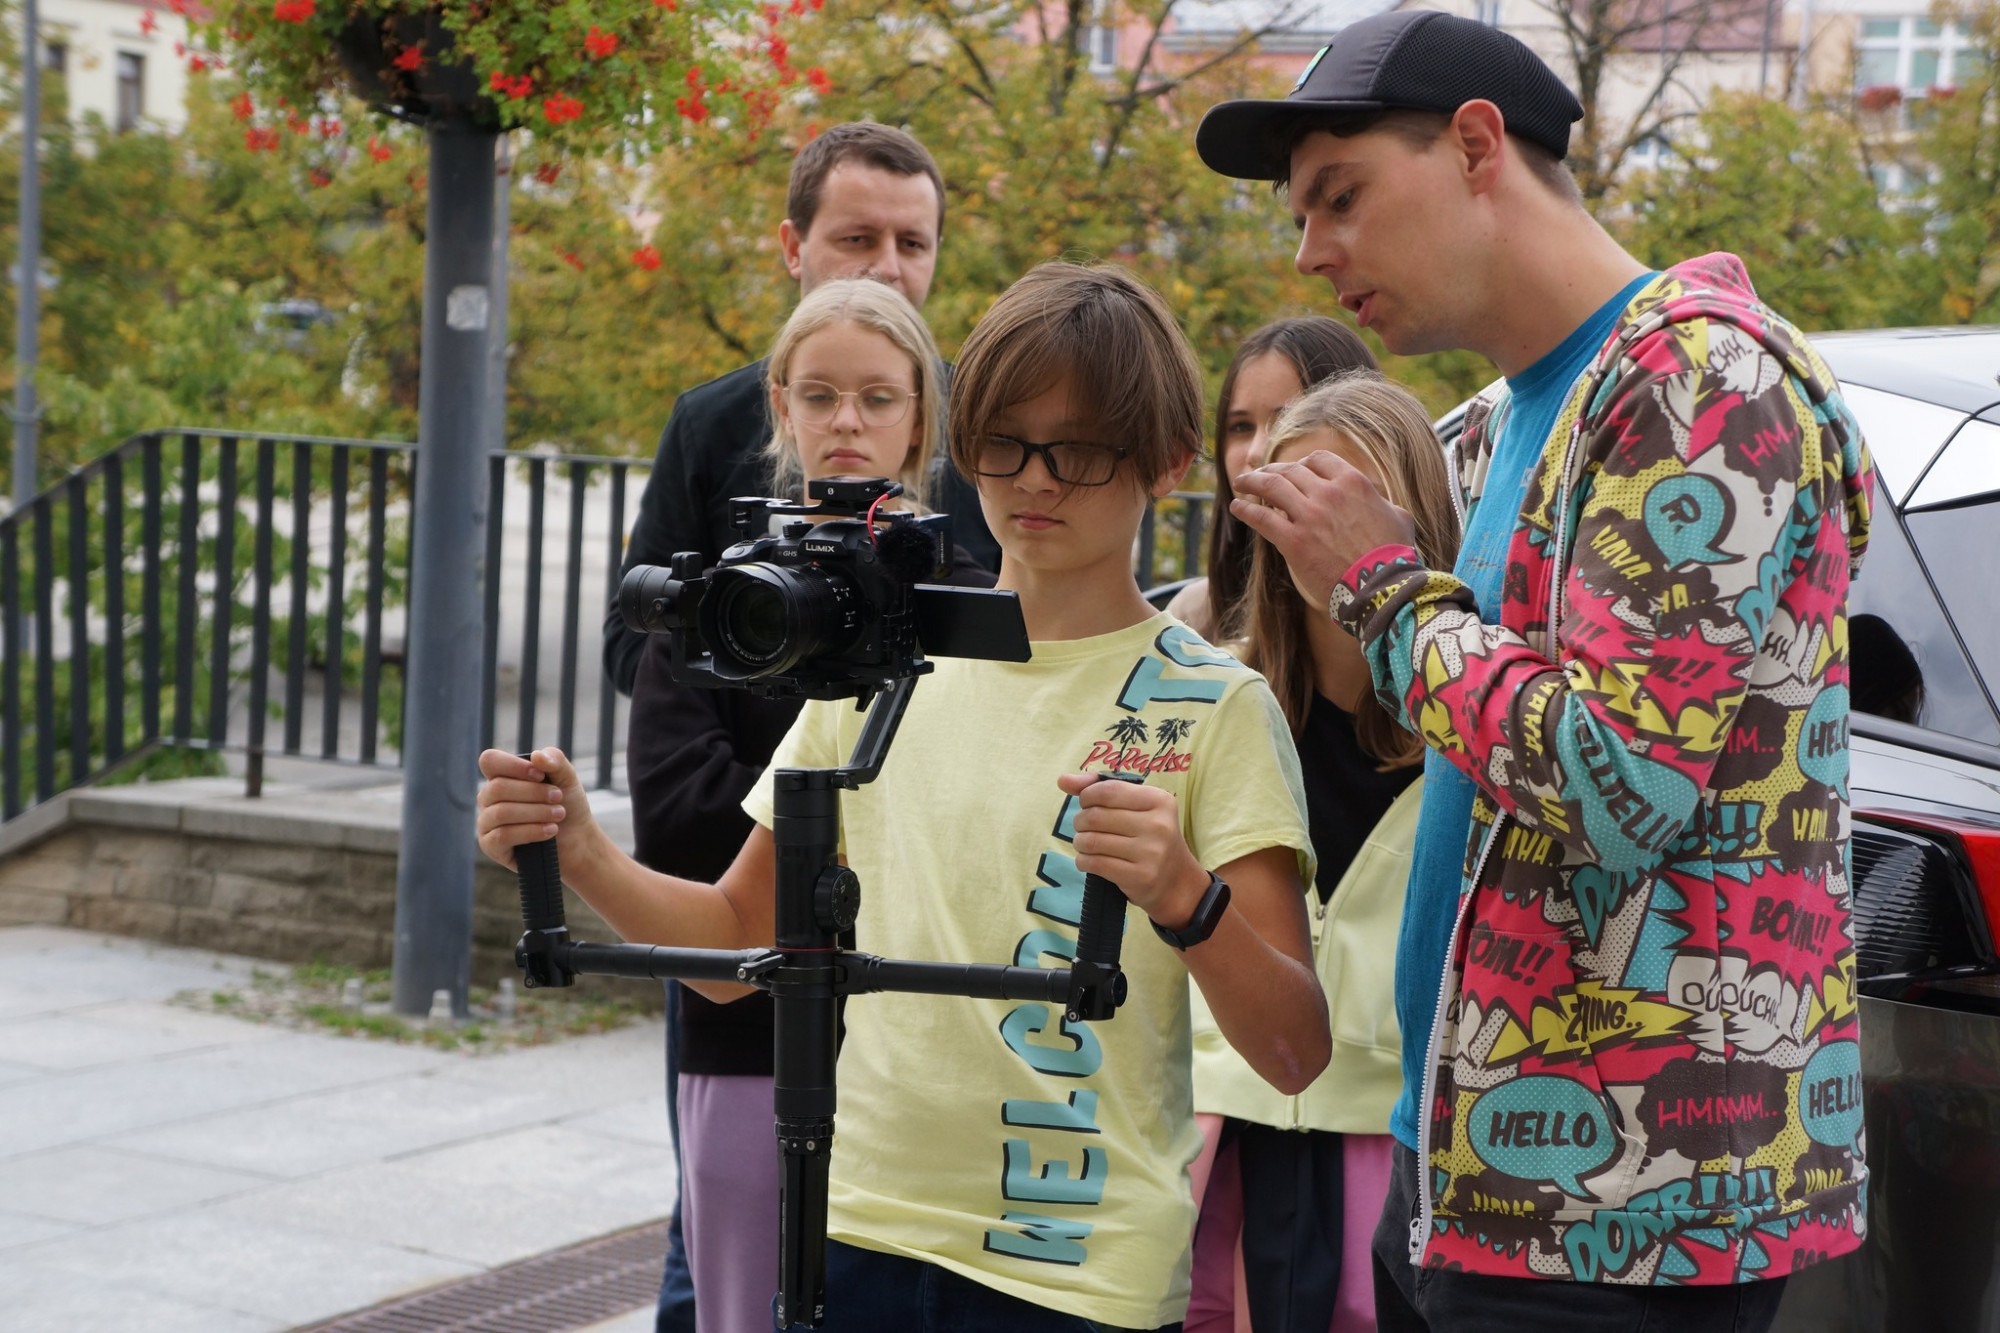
[806,970]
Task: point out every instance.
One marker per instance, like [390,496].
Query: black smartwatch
[1207,915]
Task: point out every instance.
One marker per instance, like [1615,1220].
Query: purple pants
[729,1199]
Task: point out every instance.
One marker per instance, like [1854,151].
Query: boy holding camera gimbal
[998,1167]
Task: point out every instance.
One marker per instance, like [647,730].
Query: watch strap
[1207,915]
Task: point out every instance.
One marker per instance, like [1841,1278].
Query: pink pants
[1217,1304]
[729,1199]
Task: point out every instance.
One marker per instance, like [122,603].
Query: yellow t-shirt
[1045,1160]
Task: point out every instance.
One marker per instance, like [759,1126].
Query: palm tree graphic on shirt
[1128,731]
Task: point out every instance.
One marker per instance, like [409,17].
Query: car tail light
[1926,897]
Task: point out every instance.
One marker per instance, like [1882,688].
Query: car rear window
[1909,656]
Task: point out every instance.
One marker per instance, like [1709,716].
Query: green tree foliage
[1959,142]
[1789,192]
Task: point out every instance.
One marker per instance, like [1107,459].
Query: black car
[1924,639]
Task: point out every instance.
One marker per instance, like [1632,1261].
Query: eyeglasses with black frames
[1070,462]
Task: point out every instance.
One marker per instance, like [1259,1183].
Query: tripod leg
[805,827]
[802,1163]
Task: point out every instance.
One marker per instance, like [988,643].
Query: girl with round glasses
[855,391]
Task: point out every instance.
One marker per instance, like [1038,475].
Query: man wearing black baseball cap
[1624,1105]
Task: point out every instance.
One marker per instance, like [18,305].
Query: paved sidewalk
[167,1170]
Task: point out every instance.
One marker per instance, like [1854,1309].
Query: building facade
[121,60]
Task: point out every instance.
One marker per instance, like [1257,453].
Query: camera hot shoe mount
[806,971]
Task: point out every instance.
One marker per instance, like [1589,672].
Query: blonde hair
[1390,429]
[882,309]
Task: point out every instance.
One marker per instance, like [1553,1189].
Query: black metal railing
[124,646]
[246,592]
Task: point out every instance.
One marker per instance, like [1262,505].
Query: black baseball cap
[1411,60]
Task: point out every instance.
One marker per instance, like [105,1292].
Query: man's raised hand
[1322,514]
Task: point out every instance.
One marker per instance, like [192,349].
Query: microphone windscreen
[912,553]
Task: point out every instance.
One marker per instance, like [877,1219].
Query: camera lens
[755,621]
[649,599]
[761,619]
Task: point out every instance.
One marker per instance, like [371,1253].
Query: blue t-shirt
[1536,397]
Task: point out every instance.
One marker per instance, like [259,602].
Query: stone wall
[268,882]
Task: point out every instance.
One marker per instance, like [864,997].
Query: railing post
[441,674]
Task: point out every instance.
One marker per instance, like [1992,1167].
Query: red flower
[241,105]
[285,11]
[377,149]
[297,124]
[148,24]
[319,178]
[328,128]
[569,257]
[671,6]
[196,65]
[409,58]
[560,108]
[547,173]
[1880,97]
[516,88]
[178,6]
[817,78]
[693,108]
[646,257]
[812,130]
[797,8]
[599,42]
[260,140]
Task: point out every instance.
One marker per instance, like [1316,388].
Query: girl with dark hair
[1274,365]
[1298,1182]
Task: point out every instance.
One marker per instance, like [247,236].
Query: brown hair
[882,309]
[1111,336]
[1421,129]
[1388,425]
[1316,347]
[881,146]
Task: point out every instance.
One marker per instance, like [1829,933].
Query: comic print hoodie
[1644,1067]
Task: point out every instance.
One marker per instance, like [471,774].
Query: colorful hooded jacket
[1644,1067]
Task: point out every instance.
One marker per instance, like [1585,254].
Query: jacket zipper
[1319,942]
[1420,1225]
[1453,460]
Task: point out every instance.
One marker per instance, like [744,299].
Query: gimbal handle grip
[1100,930]
[1100,933]
[541,884]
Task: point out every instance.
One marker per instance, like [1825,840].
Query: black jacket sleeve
[692,754]
[711,450]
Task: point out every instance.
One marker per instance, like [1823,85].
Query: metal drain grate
[568,1289]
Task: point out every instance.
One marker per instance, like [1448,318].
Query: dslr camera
[841,602]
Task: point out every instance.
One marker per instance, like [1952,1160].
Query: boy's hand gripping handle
[1097,985]
[542,961]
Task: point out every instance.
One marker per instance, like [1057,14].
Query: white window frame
[138,108]
[1949,43]
[1100,40]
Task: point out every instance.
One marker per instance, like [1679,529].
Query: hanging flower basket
[598,76]
[443,86]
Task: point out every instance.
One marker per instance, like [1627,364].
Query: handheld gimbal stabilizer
[806,970]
